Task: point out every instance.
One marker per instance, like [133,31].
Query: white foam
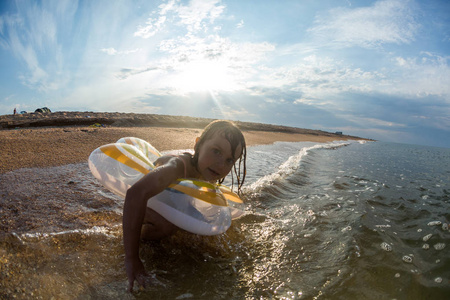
[96,230]
[290,166]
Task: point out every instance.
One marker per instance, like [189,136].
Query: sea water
[343,220]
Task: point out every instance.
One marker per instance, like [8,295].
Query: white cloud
[421,76]
[112,51]
[109,51]
[319,78]
[197,12]
[386,21]
[194,17]
[240,24]
[151,28]
[313,102]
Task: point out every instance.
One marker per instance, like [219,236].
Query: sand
[56,139]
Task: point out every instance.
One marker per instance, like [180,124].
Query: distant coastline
[37,140]
[65,118]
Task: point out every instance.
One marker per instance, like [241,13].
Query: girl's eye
[216,151]
[230,161]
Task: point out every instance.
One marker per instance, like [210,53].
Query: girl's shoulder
[162,160]
[166,158]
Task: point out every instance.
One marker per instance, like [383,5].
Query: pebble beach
[54,139]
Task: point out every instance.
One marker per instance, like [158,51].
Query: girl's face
[215,159]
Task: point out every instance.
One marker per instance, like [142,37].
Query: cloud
[373,122]
[194,17]
[314,102]
[125,73]
[31,35]
[112,51]
[423,75]
[151,28]
[386,21]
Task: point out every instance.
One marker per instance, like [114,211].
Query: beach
[49,154]
[60,138]
[326,216]
[53,212]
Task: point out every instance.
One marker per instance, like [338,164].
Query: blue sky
[376,69]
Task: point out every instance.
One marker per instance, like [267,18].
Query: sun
[204,76]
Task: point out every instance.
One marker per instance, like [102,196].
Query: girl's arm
[134,212]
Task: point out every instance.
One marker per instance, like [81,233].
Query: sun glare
[204,76]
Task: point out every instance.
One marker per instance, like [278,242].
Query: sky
[374,69]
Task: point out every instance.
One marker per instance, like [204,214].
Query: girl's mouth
[213,172]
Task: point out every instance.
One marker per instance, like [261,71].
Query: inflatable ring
[196,206]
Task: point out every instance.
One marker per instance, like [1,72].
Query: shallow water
[324,221]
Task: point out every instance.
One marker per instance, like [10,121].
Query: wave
[289,167]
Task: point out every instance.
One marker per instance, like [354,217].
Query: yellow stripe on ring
[200,193]
[115,153]
[230,196]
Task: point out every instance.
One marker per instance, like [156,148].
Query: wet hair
[235,137]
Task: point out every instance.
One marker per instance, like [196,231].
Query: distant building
[338,132]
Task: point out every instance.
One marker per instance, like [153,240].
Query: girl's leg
[155,226]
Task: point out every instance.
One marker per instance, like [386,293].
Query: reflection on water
[325,222]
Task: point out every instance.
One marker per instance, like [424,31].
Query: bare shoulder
[162,160]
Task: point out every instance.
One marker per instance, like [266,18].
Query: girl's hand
[136,271]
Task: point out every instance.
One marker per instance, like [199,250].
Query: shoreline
[45,140]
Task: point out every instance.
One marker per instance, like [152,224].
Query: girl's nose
[221,163]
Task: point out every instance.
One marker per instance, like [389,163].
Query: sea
[341,220]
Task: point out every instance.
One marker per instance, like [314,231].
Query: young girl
[217,151]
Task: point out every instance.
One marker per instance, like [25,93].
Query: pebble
[438,280]
[434,223]
[386,247]
[407,259]
[426,246]
[427,237]
[439,246]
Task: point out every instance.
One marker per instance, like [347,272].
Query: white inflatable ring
[196,206]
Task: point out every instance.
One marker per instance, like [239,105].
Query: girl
[217,151]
